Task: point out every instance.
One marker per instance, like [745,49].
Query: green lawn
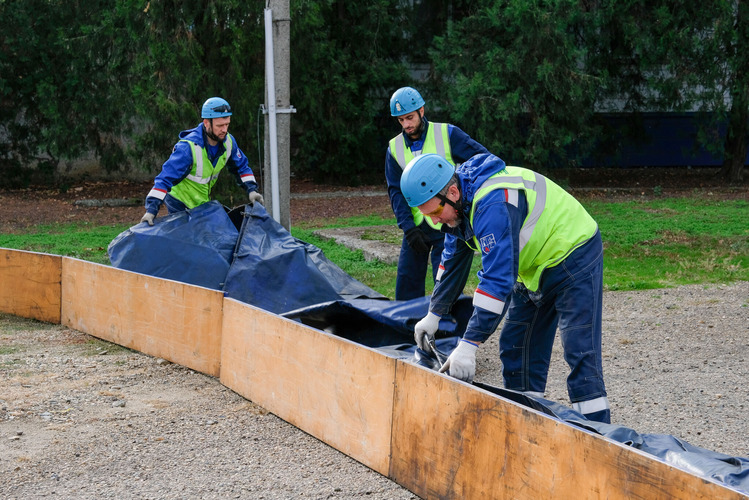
[647,244]
[673,241]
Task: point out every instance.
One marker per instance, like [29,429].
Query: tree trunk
[736,137]
[735,145]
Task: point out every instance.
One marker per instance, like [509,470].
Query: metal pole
[284,109]
[270,79]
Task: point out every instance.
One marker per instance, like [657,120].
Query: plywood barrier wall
[438,437]
[338,391]
[163,318]
[30,284]
[452,440]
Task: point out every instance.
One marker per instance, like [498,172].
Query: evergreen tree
[63,72]
[346,60]
[514,74]
[681,56]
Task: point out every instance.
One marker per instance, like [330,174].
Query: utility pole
[280,109]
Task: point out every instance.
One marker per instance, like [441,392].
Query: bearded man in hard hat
[188,175]
[419,136]
[542,268]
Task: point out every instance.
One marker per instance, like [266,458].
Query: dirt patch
[360,238]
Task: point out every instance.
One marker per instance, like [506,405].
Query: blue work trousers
[569,297]
[412,265]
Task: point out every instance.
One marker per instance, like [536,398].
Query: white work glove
[148,217]
[256,197]
[462,361]
[425,329]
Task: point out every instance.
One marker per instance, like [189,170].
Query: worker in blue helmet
[541,269]
[188,175]
[418,136]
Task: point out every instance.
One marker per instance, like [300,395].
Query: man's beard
[418,130]
[454,223]
[212,136]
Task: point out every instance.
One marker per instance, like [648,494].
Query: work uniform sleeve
[497,234]
[174,169]
[462,146]
[398,202]
[455,267]
[239,166]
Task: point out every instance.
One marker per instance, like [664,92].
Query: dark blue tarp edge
[727,470]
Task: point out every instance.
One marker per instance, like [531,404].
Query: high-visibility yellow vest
[437,140]
[195,189]
[556,223]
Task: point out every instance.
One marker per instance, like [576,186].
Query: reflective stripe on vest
[195,189]
[533,189]
[197,154]
[547,237]
[437,140]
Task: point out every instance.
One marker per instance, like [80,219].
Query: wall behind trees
[113,82]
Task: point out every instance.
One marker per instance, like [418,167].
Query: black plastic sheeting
[253,259]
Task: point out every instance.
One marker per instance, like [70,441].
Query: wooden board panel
[452,440]
[335,390]
[30,284]
[163,318]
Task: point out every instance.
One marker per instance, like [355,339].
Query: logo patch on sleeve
[487,243]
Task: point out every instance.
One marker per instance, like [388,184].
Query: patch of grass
[9,349]
[387,234]
[673,241]
[647,244]
[79,240]
[376,274]
[10,323]
[98,347]
[356,221]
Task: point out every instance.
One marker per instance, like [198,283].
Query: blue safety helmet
[216,107]
[424,177]
[405,100]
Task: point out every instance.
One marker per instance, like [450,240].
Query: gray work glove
[148,217]
[417,240]
[425,329]
[462,362]
[256,197]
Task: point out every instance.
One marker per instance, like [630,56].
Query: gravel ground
[85,419]
[82,418]
[675,361]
